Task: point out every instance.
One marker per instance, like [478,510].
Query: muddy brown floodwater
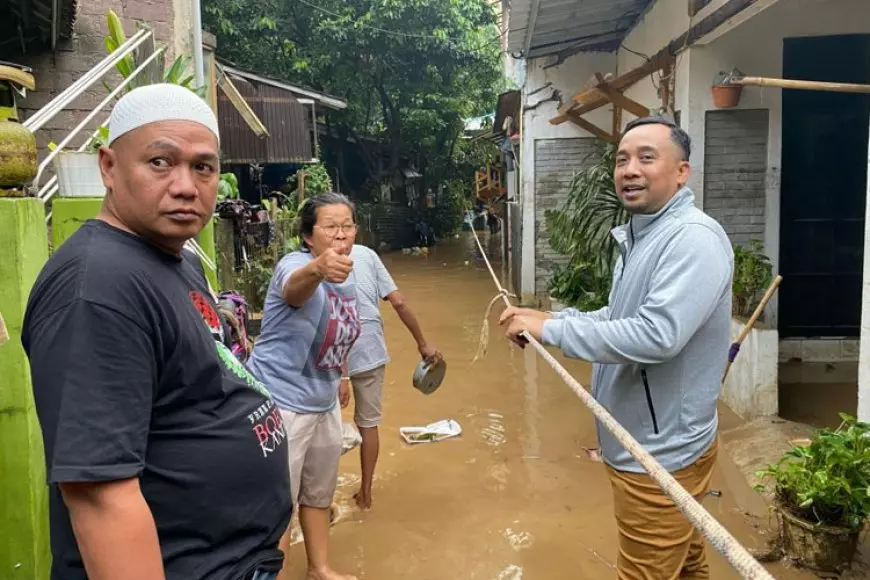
[516,496]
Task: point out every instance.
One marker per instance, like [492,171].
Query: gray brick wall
[735,165]
[556,161]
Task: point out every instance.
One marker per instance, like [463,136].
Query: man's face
[162,180]
[649,169]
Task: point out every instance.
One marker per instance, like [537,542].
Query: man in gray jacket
[659,348]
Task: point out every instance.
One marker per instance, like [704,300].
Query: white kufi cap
[160,102]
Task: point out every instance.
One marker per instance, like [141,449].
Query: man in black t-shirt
[166,458]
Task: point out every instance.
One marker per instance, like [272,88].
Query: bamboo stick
[801,85]
[735,347]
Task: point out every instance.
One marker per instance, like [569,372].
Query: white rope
[739,558]
[483,342]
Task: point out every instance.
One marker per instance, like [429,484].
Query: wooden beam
[589,84]
[593,129]
[749,11]
[239,103]
[594,98]
[802,85]
[620,100]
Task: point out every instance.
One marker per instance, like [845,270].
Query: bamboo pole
[735,347]
[801,85]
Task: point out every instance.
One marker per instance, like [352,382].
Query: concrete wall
[556,162]
[751,389]
[56,71]
[567,79]
[735,162]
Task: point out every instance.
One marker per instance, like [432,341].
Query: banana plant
[175,74]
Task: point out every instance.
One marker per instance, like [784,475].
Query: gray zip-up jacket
[661,344]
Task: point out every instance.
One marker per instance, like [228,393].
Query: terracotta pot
[726,96]
[820,548]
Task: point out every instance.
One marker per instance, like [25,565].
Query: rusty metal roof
[289,121]
[322,99]
[544,27]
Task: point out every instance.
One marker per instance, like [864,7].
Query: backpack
[235,309]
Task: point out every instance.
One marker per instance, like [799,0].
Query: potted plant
[78,172]
[822,496]
[580,230]
[752,275]
[726,95]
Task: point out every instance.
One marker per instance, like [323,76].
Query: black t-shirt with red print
[132,378]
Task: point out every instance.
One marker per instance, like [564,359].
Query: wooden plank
[802,85]
[235,97]
[595,98]
[589,84]
[592,128]
[620,100]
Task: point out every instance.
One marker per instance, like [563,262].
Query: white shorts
[313,447]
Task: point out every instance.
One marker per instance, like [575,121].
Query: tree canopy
[411,70]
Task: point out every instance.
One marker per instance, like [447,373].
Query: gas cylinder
[18,161]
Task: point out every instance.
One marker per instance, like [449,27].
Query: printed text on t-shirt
[342,330]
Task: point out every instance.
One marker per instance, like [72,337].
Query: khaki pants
[656,541]
[368,390]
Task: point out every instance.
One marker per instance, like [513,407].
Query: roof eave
[321,99]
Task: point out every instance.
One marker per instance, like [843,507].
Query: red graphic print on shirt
[209,315]
[342,330]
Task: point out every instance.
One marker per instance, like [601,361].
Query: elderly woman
[310,323]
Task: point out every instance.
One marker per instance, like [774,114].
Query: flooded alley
[516,495]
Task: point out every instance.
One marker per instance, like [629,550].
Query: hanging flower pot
[725,94]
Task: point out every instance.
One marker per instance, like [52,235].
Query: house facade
[785,167]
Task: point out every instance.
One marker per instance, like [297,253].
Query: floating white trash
[78,174]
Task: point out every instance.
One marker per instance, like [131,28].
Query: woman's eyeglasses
[333,229]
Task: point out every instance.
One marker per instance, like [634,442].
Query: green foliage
[581,230]
[752,275]
[99,139]
[176,74]
[317,180]
[256,274]
[228,187]
[448,216]
[580,284]
[827,482]
[411,70]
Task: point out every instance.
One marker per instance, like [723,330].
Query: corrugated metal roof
[320,98]
[542,27]
[289,123]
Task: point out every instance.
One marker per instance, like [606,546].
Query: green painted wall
[69,213]
[24,542]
